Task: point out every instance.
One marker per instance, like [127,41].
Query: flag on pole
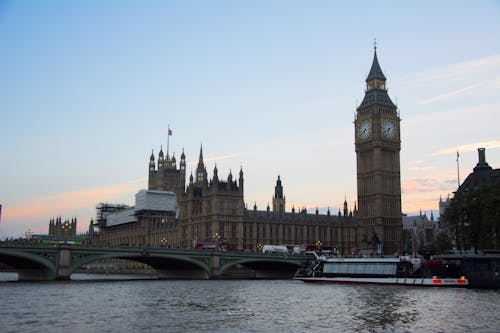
[169,131]
[458,155]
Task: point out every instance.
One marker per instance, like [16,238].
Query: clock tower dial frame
[378,167]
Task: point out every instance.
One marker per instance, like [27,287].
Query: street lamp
[216,239]
[259,247]
[29,235]
[163,241]
[318,244]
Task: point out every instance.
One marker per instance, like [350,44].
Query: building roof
[375,70]
[481,175]
[417,221]
[376,96]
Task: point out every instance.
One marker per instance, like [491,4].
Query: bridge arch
[166,264]
[274,265]
[29,266]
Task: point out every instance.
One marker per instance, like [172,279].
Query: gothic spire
[201,172]
[376,90]
[375,71]
[200,160]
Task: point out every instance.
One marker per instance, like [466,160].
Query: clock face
[364,129]
[388,128]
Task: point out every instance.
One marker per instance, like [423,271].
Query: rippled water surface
[242,306]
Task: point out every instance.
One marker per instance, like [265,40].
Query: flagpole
[458,170]
[168,137]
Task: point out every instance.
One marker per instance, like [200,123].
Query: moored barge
[385,271]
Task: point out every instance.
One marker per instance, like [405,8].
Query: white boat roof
[363,260]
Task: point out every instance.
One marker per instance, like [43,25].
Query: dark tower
[240,180]
[165,176]
[201,171]
[377,142]
[278,199]
[182,169]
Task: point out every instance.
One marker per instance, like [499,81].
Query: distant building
[59,228]
[214,208]
[420,231]
[443,204]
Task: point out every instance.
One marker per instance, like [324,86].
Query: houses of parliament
[177,212]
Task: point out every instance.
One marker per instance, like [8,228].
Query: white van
[274,249]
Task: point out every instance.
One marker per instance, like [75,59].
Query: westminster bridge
[58,262]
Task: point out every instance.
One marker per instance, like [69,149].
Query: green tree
[473,218]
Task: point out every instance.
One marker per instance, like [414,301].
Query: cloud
[418,185]
[449,94]
[222,157]
[430,168]
[424,193]
[413,207]
[215,159]
[68,202]
[455,72]
[428,186]
[466,148]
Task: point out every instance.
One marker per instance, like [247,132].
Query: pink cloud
[68,201]
[34,213]
[467,148]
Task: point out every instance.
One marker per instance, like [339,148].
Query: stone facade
[420,232]
[214,209]
[377,143]
[59,228]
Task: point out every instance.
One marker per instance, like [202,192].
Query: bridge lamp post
[29,235]
[163,241]
[216,239]
[259,247]
[318,244]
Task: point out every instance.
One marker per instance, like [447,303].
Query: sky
[89,88]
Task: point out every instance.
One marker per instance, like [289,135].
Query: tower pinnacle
[375,71]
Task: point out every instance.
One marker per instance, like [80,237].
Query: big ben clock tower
[378,142]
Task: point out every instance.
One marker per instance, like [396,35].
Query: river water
[241,306]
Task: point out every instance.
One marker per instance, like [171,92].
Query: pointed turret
[278,199]
[182,164]
[240,181]
[201,172]
[216,176]
[376,91]
[173,161]
[161,158]
[200,159]
[375,71]
[278,189]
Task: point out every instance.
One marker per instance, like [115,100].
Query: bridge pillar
[215,266]
[63,262]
